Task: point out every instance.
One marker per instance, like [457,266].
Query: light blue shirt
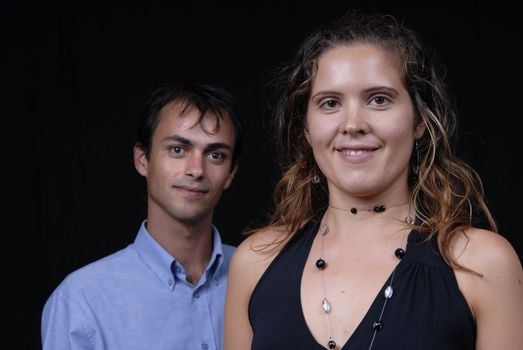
[139,298]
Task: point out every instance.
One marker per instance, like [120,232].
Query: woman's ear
[307,135]
[420,129]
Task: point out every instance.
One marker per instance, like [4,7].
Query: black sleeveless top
[427,311]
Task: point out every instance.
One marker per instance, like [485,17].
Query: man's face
[189,166]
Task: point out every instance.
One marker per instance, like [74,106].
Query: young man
[167,289]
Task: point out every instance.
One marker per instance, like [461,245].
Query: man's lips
[191,190]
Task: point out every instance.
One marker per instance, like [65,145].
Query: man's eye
[175,149]
[217,155]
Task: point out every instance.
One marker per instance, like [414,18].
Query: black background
[79,72]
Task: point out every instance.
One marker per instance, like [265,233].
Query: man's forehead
[188,117]
[183,108]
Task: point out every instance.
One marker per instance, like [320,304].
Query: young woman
[374,242]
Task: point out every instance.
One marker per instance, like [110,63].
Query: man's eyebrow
[180,139]
[218,145]
[209,146]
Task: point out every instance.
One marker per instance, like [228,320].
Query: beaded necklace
[321,264]
[375,209]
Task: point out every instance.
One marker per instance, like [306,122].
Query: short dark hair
[203,96]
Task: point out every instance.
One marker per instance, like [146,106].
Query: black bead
[331,344]
[400,253]
[379,209]
[354,210]
[321,264]
[378,325]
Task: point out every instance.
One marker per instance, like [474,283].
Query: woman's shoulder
[496,270]
[261,247]
[250,260]
[495,291]
[485,251]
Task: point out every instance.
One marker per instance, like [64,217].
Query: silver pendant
[326,306]
[388,292]
[324,229]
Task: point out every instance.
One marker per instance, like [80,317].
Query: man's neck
[190,244]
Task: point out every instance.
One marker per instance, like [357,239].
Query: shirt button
[170,282]
[178,269]
[197,296]
[205,346]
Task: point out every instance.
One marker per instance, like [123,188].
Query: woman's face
[361,122]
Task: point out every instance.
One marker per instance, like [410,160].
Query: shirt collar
[160,260]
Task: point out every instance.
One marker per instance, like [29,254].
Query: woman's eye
[330,104]
[380,100]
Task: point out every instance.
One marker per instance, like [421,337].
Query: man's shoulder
[99,271]
[228,250]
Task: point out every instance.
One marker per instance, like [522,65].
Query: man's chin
[194,218]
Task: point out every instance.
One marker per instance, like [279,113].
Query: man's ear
[140,160]
[230,177]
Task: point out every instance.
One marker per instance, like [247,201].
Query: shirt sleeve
[65,323]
